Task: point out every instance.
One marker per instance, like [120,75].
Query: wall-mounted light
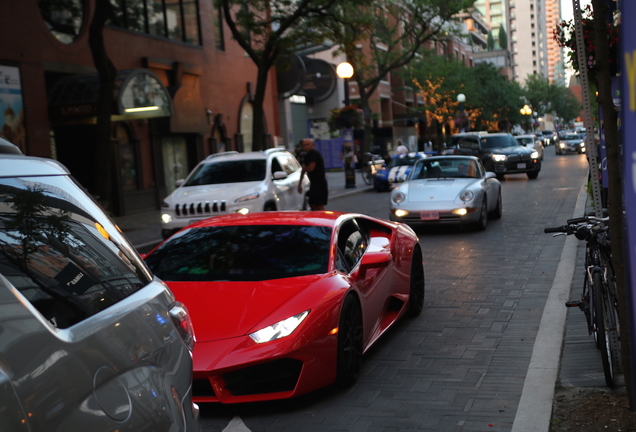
[142,109]
[209,113]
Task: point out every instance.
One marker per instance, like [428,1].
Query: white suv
[234,182]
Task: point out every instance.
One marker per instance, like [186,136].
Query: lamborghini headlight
[280,329]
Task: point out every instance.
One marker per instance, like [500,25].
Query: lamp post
[526,110]
[534,115]
[464,125]
[345,71]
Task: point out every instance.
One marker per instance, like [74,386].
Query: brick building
[184,90]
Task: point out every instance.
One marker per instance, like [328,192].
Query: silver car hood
[445,189]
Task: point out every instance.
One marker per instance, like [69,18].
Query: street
[460,365]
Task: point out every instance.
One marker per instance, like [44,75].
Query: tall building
[556,68]
[530,54]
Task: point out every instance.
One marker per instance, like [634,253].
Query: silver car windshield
[221,172]
[68,264]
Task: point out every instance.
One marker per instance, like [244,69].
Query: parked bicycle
[368,169]
[598,298]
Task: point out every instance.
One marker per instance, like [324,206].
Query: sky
[567,15]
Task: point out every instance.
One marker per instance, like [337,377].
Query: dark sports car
[283,303]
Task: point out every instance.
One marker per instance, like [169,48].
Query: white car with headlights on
[233,182]
[448,189]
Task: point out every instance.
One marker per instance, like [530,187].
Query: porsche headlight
[398,197]
[499,158]
[534,155]
[280,329]
[467,195]
[249,197]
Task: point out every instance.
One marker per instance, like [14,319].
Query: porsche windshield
[235,171]
[242,253]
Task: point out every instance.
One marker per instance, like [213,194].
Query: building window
[218,29]
[63,18]
[173,19]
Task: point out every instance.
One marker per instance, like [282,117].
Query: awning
[138,94]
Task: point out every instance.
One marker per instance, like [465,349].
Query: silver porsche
[448,189]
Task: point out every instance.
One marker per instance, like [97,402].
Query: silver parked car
[448,189]
[89,339]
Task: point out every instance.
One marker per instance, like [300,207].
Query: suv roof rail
[221,154]
[274,150]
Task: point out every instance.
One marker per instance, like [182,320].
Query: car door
[287,188]
[371,283]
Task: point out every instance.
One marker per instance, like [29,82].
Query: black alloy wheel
[349,356]
[482,223]
[498,211]
[417,283]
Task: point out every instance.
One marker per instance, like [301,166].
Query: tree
[490,41]
[268,30]
[107,73]
[491,100]
[503,37]
[393,33]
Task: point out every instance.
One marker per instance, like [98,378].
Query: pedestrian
[314,165]
[401,148]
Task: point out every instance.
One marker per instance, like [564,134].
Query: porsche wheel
[483,216]
[349,357]
[416,296]
[496,214]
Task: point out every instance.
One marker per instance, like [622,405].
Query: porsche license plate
[521,165]
[429,215]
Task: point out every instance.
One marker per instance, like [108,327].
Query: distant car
[286,302]
[550,137]
[396,171]
[232,182]
[501,154]
[448,189]
[89,338]
[531,141]
[571,142]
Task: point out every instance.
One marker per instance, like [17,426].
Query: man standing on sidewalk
[314,166]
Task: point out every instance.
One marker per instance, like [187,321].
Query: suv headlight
[499,158]
[249,197]
[534,155]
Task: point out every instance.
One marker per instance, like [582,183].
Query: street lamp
[345,71]
[535,115]
[526,110]
[461,98]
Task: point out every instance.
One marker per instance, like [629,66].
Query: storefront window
[64,18]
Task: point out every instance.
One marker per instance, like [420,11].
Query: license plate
[429,215]
[521,165]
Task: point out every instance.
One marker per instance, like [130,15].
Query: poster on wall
[12,120]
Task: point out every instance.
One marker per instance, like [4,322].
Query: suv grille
[519,158]
[200,208]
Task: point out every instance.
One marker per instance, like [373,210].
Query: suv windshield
[242,253]
[499,141]
[228,172]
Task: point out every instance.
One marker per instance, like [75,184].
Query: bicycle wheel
[612,333]
[601,333]
[366,175]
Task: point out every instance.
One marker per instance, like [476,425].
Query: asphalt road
[461,365]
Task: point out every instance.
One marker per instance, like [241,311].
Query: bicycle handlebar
[561,229]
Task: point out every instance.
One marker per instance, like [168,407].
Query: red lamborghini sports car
[283,303]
